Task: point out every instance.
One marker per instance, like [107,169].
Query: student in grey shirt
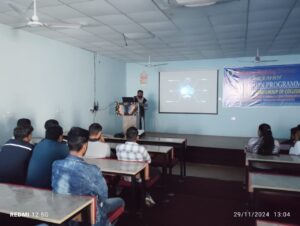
[97,148]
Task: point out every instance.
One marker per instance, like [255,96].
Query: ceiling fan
[34,20]
[258,59]
[149,64]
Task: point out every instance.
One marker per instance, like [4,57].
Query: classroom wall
[228,121]
[42,78]
[111,87]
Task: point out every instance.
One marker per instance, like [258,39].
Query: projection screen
[194,92]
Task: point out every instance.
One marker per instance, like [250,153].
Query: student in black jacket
[15,155]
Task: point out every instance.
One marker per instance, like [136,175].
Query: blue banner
[262,86]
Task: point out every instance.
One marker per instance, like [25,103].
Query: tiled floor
[213,171]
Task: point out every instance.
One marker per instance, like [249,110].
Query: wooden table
[289,163]
[275,185]
[123,168]
[179,144]
[40,204]
[275,182]
[271,223]
[112,166]
[283,159]
[166,151]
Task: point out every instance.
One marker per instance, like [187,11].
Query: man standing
[141,100]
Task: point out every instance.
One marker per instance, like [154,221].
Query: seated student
[295,150]
[15,155]
[96,146]
[264,144]
[50,123]
[44,154]
[73,175]
[132,151]
[23,122]
[291,141]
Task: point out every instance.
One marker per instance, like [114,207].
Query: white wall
[247,119]
[41,79]
[111,86]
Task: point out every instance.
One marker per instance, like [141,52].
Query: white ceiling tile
[267,15]
[165,25]
[267,4]
[228,8]
[83,21]
[61,12]
[95,8]
[217,30]
[223,19]
[101,30]
[148,16]
[39,3]
[230,28]
[50,34]
[114,19]
[129,28]
[80,35]
[132,6]
[74,1]
[4,7]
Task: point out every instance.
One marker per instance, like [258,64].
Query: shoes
[149,201]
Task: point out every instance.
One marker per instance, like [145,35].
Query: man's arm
[296,149]
[99,185]
[146,156]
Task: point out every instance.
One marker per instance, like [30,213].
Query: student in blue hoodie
[44,154]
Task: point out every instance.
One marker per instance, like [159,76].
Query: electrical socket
[95,107]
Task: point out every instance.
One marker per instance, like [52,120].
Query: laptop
[128,99]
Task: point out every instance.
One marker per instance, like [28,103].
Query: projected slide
[188,92]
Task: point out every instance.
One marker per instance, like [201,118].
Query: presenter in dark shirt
[142,101]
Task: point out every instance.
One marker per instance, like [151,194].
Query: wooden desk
[124,168]
[166,151]
[113,166]
[281,162]
[179,144]
[39,204]
[274,182]
[284,159]
[269,223]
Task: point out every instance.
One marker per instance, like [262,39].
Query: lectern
[130,112]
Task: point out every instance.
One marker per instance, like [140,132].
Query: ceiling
[232,29]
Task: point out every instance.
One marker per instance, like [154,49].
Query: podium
[130,113]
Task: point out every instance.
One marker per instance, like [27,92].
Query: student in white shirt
[97,148]
[295,150]
[264,144]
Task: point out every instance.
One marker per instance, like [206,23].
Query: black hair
[294,131]
[95,128]
[54,132]
[140,91]
[132,133]
[77,137]
[51,122]
[20,132]
[267,145]
[23,122]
